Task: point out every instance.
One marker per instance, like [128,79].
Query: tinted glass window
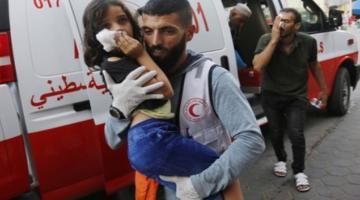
[311,15]
[4,15]
[230,3]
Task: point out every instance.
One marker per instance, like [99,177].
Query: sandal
[280,169]
[301,182]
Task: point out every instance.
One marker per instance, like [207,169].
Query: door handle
[225,62]
[80,106]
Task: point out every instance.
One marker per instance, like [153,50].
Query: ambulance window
[324,7]
[4,16]
[230,3]
[311,15]
[52,44]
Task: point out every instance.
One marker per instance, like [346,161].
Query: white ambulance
[52,108]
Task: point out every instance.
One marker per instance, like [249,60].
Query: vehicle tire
[339,101]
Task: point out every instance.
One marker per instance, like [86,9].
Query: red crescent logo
[191,110]
[196,109]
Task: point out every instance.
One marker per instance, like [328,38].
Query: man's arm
[237,117]
[317,72]
[263,58]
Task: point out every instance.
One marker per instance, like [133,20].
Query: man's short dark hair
[166,7]
[296,13]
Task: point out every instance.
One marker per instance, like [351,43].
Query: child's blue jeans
[157,148]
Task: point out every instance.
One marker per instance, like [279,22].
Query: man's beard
[168,62]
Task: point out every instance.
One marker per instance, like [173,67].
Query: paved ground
[333,162]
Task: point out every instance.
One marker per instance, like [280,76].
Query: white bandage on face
[106,38]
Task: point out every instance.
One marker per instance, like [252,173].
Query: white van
[52,108]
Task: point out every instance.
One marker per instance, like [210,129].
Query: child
[155,146]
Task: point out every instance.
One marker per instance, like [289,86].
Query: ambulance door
[62,135]
[212,34]
[116,169]
[13,167]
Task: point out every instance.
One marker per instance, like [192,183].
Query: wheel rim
[346,94]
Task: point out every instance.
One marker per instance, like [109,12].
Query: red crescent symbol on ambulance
[191,110]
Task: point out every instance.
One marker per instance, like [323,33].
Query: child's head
[100,14]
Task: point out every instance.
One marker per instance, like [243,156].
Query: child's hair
[93,18]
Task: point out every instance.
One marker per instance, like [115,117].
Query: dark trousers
[286,114]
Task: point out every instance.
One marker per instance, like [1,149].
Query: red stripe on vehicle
[73,161]
[66,156]
[117,170]
[14,176]
[4,44]
[7,70]
[330,68]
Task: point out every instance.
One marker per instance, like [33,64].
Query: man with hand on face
[197,81]
[284,56]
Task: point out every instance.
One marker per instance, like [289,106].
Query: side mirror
[335,18]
